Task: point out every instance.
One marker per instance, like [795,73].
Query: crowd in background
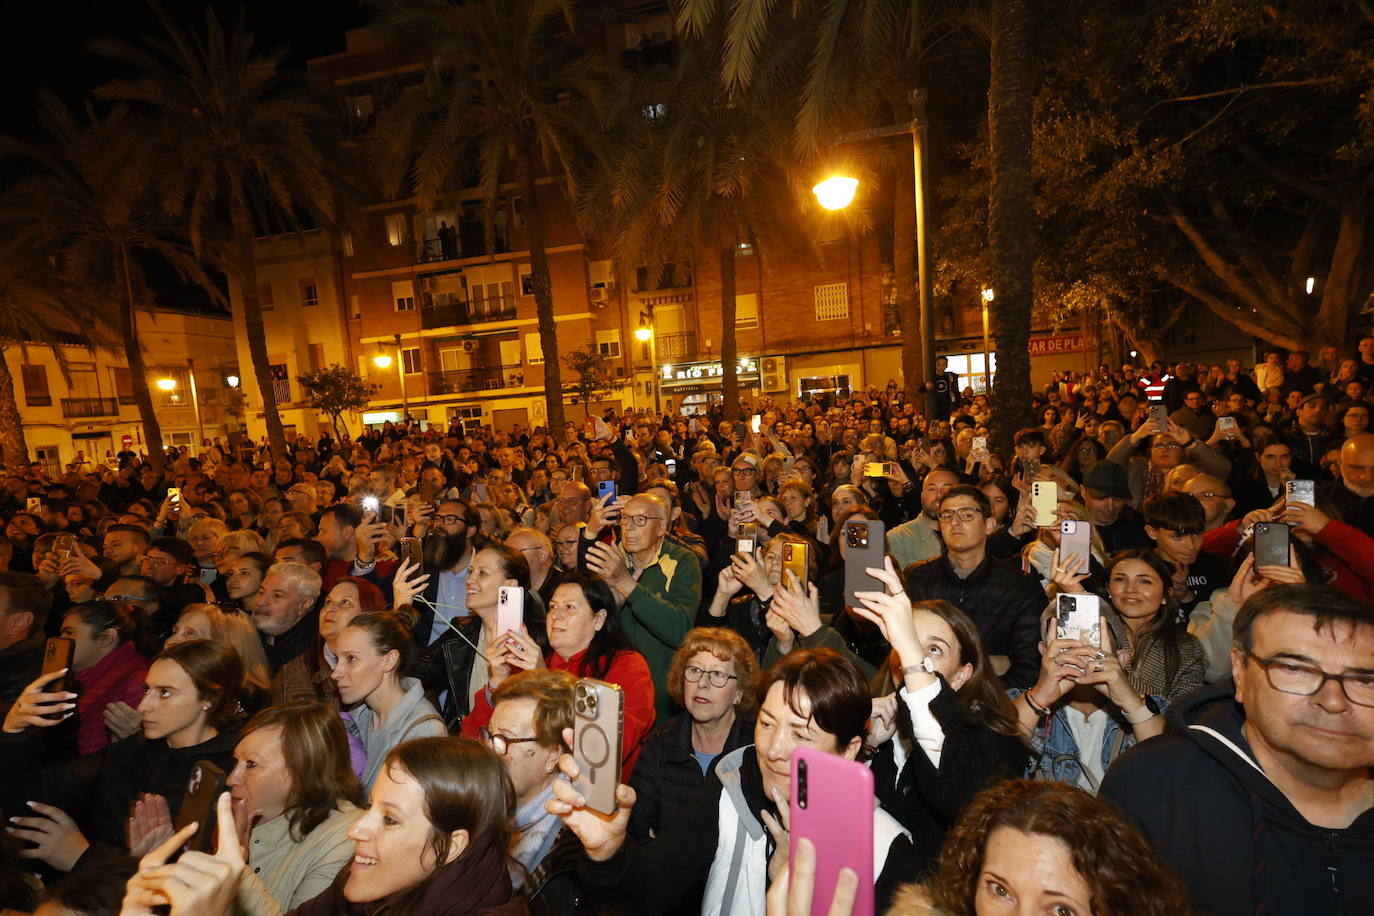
[327,627]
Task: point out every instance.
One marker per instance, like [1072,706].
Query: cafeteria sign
[692,372]
[1049,346]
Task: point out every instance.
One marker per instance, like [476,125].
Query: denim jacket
[1059,754]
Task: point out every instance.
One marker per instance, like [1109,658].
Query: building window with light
[410,360]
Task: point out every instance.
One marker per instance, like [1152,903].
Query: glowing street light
[382,361]
[988,294]
[232,381]
[166,384]
[643,335]
[836,192]
[1311,284]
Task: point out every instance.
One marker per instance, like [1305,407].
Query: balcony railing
[461,245]
[484,379]
[677,347]
[90,407]
[446,310]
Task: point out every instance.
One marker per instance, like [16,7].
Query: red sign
[1049,346]
[127,441]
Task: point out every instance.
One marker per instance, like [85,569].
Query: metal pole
[401,377]
[195,402]
[653,367]
[918,131]
[987,350]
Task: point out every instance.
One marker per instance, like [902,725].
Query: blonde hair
[237,630]
[244,541]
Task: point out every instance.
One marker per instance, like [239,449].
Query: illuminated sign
[1048,346]
[697,372]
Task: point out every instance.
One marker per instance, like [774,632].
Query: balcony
[85,408]
[672,275]
[488,378]
[677,348]
[468,242]
[445,310]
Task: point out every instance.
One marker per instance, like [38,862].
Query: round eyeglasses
[715,678]
[500,743]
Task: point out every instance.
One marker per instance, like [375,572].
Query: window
[265,295]
[469,417]
[832,301]
[281,383]
[608,342]
[517,209]
[403,295]
[396,229]
[36,392]
[360,112]
[355,306]
[746,311]
[534,350]
[310,293]
[526,279]
[316,357]
[123,384]
[410,360]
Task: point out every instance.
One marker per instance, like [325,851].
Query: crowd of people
[380,642]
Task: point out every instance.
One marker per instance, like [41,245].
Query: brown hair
[388,631]
[315,748]
[1108,852]
[214,668]
[552,693]
[728,646]
[840,701]
[465,786]
[1325,604]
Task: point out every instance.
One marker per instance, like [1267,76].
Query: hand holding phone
[831,806]
[1044,499]
[1080,618]
[510,609]
[598,734]
[203,789]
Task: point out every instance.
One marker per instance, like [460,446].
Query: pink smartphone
[510,609]
[832,806]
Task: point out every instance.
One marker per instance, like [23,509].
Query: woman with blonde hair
[207,621]
[712,678]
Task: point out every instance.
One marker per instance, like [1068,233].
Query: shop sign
[699,372]
[1049,346]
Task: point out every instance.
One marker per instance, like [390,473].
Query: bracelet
[370,564]
[1040,711]
[1138,719]
[925,666]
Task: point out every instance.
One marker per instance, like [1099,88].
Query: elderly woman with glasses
[586,640]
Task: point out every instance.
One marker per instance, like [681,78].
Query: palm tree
[37,308]
[712,170]
[89,204]
[507,88]
[235,140]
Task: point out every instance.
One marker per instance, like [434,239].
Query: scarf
[534,835]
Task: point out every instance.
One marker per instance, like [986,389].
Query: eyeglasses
[1289,676]
[155,562]
[963,514]
[567,543]
[715,678]
[528,549]
[448,519]
[500,743]
[1167,445]
[122,598]
[572,500]
[637,521]
[744,470]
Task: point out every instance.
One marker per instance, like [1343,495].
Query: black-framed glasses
[448,519]
[715,678]
[963,514]
[500,743]
[744,470]
[1289,676]
[636,521]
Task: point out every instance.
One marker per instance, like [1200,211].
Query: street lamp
[232,381]
[988,296]
[837,191]
[645,334]
[383,361]
[195,403]
[166,384]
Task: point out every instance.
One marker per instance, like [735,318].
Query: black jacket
[96,790]
[1004,603]
[447,666]
[926,800]
[1237,841]
[667,776]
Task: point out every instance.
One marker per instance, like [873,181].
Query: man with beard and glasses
[919,539]
[450,542]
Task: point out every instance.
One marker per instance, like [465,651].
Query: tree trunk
[914,370]
[1011,211]
[138,370]
[729,349]
[252,318]
[543,294]
[14,450]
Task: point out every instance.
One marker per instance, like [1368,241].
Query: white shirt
[1088,733]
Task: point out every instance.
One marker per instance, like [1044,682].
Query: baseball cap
[1107,479]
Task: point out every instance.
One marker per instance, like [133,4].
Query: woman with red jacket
[586,640]
[107,665]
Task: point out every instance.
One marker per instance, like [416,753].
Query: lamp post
[988,296]
[837,192]
[195,403]
[383,361]
[645,334]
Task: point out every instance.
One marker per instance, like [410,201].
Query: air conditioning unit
[600,295]
[469,346]
[773,373]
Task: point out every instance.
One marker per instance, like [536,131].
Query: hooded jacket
[1204,803]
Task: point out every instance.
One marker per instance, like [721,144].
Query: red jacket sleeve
[1352,547]
[630,672]
[1223,540]
[480,716]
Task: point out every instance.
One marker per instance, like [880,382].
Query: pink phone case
[832,806]
[510,609]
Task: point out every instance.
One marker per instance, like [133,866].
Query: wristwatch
[924,664]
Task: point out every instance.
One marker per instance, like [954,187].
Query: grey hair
[304,579]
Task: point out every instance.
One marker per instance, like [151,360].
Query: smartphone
[1227,425]
[203,788]
[864,546]
[510,609]
[980,444]
[671,465]
[1075,539]
[875,469]
[1271,544]
[371,504]
[755,422]
[740,431]
[606,488]
[63,546]
[174,496]
[398,515]
[1045,499]
[747,538]
[796,559]
[1030,467]
[58,654]
[482,493]
[35,505]
[832,806]
[889,469]
[1301,491]
[1159,413]
[598,730]
[413,550]
[1080,617]
[743,499]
